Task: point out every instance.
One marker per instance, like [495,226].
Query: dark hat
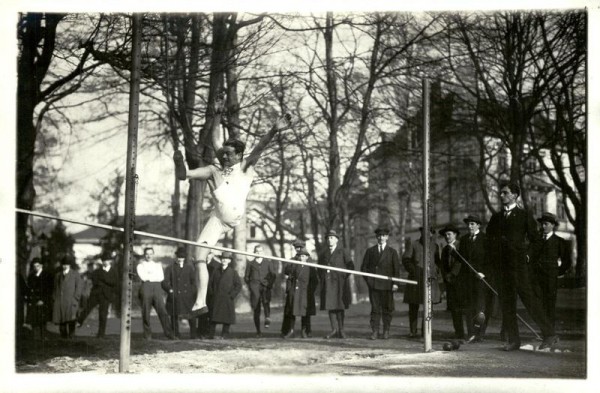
[227,255]
[382,231]
[303,251]
[298,243]
[449,228]
[107,256]
[472,218]
[180,252]
[548,217]
[332,233]
[67,260]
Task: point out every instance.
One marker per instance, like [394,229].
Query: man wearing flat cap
[510,232]
[473,247]
[383,260]
[457,276]
[335,285]
[180,285]
[550,256]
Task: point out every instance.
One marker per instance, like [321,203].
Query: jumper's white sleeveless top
[230,190]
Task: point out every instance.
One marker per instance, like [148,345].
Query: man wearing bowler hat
[180,285]
[383,260]
[511,231]
[457,283]
[473,247]
[551,258]
[335,285]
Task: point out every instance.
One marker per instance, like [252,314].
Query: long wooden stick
[196,244]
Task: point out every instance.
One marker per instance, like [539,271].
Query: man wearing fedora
[551,258]
[180,286]
[383,260]
[473,247]
[511,231]
[457,283]
[335,285]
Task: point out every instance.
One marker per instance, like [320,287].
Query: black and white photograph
[299,197]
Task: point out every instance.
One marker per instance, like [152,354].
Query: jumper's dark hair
[513,187]
[238,145]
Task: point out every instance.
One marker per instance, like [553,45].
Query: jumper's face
[382,238]
[148,254]
[507,196]
[547,227]
[332,241]
[230,157]
[473,227]
[450,236]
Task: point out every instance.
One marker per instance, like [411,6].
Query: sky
[151,164]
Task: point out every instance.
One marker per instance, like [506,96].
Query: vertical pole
[130,179]
[427,308]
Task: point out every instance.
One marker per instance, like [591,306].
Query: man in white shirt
[229,184]
[151,294]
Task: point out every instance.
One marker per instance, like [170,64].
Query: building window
[252,231]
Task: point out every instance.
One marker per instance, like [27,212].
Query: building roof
[159,225]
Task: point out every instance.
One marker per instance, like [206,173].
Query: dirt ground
[271,356]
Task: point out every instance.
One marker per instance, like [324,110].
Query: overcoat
[300,298]
[335,286]
[458,280]
[223,287]
[66,294]
[386,264]
[257,275]
[412,260]
[475,252]
[182,280]
[39,288]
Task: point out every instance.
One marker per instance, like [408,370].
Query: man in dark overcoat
[299,302]
[104,293]
[67,291]
[457,277]
[473,247]
[335,285]
[260,275]
[39,298]
[223,287]
[180,286]
[412,260]
[383,260]
[550,255]
[510,231]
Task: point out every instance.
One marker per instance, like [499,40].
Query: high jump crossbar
[196,244]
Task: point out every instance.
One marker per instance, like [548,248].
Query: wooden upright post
[427,308]
[130,193]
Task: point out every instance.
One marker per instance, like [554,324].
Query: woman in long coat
[39,298]
[223,287]
[68,287]
[412,260]
[335,286]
